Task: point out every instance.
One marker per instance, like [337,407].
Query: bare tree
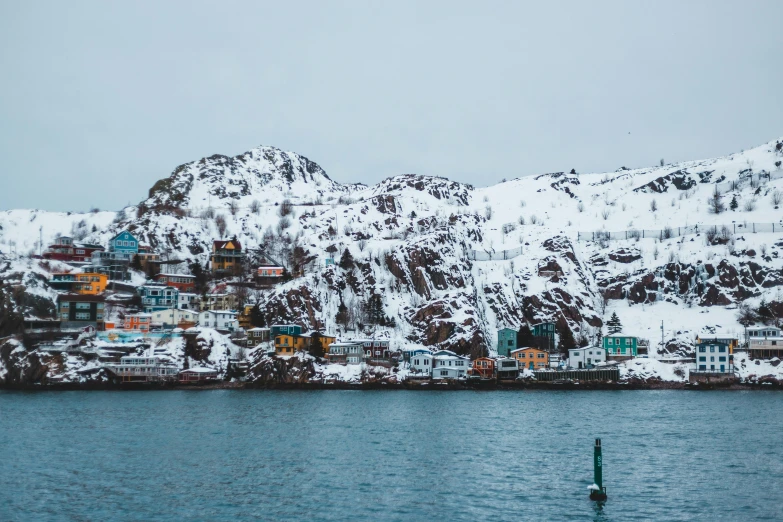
[777,197]
[255,206]
[286,207]
[488,212]
[580,207]
[714,204]
[362,245]
[233,207]
[653,206]
[220,223]
[605,214]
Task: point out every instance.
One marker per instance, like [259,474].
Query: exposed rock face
[680,179]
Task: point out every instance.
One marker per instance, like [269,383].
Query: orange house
[270,271]
[531,358]
[483,367]
[138,322]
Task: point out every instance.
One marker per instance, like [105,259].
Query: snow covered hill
[452,263]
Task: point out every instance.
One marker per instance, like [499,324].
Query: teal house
[124,243]
[621,345]
[507,341]
[285,329]
[545,330]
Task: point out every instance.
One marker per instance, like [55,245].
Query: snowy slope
[421,243]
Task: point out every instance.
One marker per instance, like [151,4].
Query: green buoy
[597,489]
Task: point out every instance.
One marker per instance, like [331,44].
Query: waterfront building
[713,356]
[586,357]
[507,341]
[531,358]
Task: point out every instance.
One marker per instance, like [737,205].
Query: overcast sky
[98,100]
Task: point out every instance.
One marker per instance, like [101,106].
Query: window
[540,355]
[702,359]
[510,342]
[712,349]
[702,349]
[702,367]
[722,349]
[722,358]
[82,306]
[65,305]
[82,316]
[712,358]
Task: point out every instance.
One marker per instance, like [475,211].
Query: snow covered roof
[199,370]
[621,334]
[258,329]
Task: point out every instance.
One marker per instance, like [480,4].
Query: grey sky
[100,99]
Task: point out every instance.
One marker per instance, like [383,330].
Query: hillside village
[260,268]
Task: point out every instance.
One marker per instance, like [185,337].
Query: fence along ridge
[670,232]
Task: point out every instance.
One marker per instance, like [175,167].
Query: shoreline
[428,386]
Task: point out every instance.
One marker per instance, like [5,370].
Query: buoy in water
[597,489]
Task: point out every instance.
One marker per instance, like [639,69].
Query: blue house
[285,329]
[158,297]
[124,243]
[507,341]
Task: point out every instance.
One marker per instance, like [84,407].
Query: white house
[586,357]
[348,352]
[445,359]
[218,319]
[421,364]
[171,317]
[187,301]
[445,372]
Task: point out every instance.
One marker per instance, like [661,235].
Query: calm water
[350,455]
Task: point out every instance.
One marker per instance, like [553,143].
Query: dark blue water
[351,455]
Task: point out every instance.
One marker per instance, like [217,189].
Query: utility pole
[40,240]
[663,345]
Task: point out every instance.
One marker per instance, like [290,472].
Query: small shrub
[749,205]
[522,203]
[653,206]
[255,206]
[521,220]
[488,212]
[605,214]
[667,232]
[580,207]
[777,197]
[233,207]
[283,224]
[533,219]
[286,208]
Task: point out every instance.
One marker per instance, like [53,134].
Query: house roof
[79,298]
[217,245]
[621,334]
[123,232]
[527,348]
[199,370]
[177,275]
[258,329]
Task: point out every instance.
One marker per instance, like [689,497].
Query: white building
[172,317]
[445,359]
[347,352]
[219,320]
[188,301]
[586,357]
[421,364]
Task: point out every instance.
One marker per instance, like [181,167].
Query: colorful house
[482,368]
[175,318]
[546,330]
[158,297]
[226,257]
[76,311]
[507,341]
[218,301]
[289,344]
[85,283]
[138,322]
[326,340]
[531,358]
[124,244]
[620,346]
[507,368]
[288,329]
[64,249]
[714,356]
[182,282]
[270,271]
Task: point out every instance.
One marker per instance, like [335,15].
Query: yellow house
[244,317]
[531,358]
[289,344]
[84,283]
[226,257]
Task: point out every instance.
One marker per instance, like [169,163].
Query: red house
[182,282]
[483,368]
[64,249]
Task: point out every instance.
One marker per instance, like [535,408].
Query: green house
[545,330]
[507,341]
[619,344]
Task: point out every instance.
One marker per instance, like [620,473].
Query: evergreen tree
[373,310]
[316,348]
[566,339]
[346,261]
[257,318]
[613,325]
[525,337]
[201,278]
[733,205]
[136,263]
[342,316]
